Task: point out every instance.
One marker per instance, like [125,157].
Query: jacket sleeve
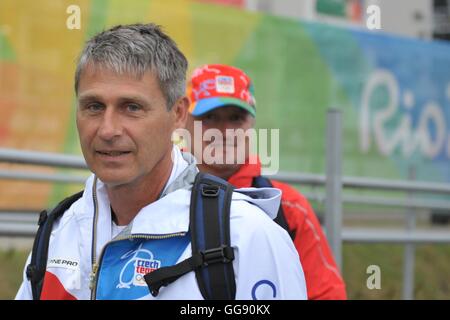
[24,292]
[267,265]
[322,275]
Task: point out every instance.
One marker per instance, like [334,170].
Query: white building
[413,18]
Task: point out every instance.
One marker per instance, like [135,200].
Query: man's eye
[236,118]
[133,107]
[94,107]
[210,117]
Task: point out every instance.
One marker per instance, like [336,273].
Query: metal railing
[24,224]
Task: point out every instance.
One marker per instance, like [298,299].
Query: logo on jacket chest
[139,263]
[125,263]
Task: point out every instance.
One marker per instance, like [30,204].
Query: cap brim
[206,105]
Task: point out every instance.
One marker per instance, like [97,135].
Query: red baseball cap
[217,85]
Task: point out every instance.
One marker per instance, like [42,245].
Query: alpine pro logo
[140,262]
[71,264]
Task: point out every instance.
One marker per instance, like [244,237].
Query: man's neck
[224,172]
[127,200]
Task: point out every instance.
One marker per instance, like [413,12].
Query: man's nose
[223,126]
[110,126]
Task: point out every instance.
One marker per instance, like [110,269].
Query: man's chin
[219,169]
[112,179]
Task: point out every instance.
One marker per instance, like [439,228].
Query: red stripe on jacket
[53,289]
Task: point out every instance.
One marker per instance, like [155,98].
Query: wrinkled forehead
[105,74]
[99,83]
[92,68]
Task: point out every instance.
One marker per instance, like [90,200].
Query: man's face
[223,118]
[123,124]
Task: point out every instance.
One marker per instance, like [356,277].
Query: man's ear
[180,111]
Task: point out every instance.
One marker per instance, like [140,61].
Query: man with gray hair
[133,219]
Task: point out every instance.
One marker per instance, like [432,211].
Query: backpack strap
[263,182]
[212,253]
[36,269]
[210,231]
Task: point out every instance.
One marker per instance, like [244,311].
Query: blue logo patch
[125,262]
[139,263]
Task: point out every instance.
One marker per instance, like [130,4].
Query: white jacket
[266,264]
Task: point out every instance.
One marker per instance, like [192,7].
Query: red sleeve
[323,279]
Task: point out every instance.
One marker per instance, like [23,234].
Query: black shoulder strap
[212,254]
[210,231]
[36,269]
[263,182]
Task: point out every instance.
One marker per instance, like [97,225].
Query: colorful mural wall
[394,92]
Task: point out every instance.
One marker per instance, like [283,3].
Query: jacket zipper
[94,265]
[94,275]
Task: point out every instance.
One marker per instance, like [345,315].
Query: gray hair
[136,49]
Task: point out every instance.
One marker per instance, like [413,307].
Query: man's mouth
[112,153]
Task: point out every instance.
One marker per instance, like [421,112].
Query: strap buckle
[210,191]
[224,254]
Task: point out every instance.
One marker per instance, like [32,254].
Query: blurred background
[391,88]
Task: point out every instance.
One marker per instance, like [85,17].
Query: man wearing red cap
[222,98]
